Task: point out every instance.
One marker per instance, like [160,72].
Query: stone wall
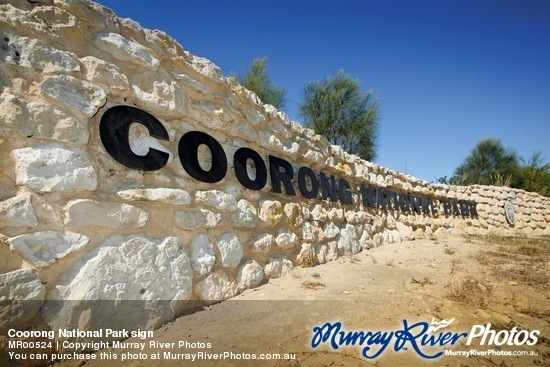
[78,226]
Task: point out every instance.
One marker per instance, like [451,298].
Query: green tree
[535,175]
[256,79]
[489,163]
[337,109]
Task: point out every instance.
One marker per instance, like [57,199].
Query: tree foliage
[534,175]
[337,109]
[489,163]
[256,79]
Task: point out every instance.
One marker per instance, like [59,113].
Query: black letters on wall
[302,183]
[188,150]
[239,160]
[114,128]
[277,175]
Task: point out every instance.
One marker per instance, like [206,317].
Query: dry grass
[519,259]
[454,265]
[422,282]
[470,291]
[449,251]
[533,311]
[308,284]
[308,261]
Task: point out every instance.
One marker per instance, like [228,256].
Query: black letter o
[239,160]
[188,152]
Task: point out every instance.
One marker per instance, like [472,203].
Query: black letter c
[114,128]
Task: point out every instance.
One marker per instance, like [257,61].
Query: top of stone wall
[106,60]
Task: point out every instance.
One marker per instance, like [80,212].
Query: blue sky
[447,73]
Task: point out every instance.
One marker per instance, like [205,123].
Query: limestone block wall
[84,235]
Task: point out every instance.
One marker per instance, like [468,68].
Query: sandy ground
[374,290]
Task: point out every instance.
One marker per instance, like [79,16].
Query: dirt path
[372,291]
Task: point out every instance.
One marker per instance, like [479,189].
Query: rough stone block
[216,199]
[159,92]
[245,216]
[261,242]
[271,211]
[163,195]
[293,214]
[286,239]
[43,248]
[230,248]
[84,96]
[131,282]
[125,50]
[53,167]
[277,266]
[250,275]
[198,218]
[216,287]
[21,296]
[202,256]
[18,212]
[89,213]
[348,243]
[37,55]
[105,73]
[331,230]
